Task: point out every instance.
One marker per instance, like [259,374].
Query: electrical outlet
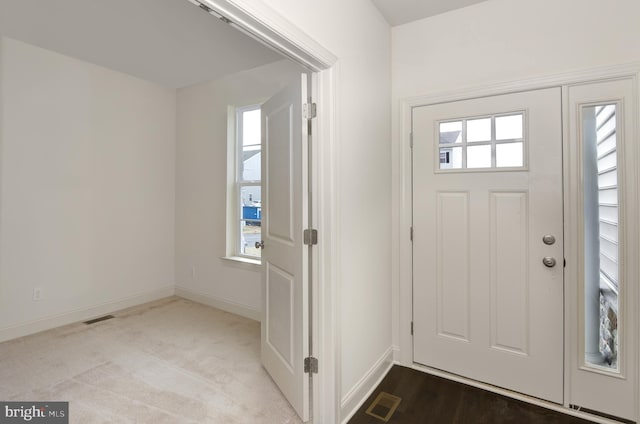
[37,294]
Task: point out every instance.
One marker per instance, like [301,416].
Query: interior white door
[285,324]
[485,306]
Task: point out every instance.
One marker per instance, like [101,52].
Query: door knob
[548,239]
[260,244]
[549,262]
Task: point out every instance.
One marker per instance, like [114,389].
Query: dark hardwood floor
[430,399]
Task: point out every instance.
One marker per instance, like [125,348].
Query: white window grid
[464,144]
[241,183]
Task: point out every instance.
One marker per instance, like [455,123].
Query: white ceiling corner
[170,42]
[398,12]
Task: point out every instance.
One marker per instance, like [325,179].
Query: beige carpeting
[171,361]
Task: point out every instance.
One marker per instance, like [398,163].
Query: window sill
[247,263]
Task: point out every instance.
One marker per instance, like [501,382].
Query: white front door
[285,324]
[487,188]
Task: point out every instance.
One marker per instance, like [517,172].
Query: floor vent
[104,318]
[383,406]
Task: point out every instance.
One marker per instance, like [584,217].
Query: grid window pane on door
[248,181]
[487,142]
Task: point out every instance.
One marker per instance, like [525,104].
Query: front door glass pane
[479,130]
[479,156]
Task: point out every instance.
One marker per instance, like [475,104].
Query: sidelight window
[601,235]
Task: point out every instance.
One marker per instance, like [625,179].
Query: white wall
[87,189]
[201,188]
[358,35]
[504,40]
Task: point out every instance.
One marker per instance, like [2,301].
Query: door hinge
[205,7]
[412,328]
[411,140]
[311,365]
[411,233]
[310,237]
[309,110]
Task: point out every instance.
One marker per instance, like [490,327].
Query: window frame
[464,144]
[236,220]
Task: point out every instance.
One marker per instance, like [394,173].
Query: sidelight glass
[601,237]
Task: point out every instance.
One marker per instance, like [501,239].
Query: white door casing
[594,388]
[484,305]
[285,323]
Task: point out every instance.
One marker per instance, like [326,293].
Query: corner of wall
[353,399]
[83,314]
[222,304]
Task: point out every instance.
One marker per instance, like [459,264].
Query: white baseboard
[223,304]
[83,314]
[367,384]
[396,354]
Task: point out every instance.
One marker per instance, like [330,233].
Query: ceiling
[398,12]
[170,42]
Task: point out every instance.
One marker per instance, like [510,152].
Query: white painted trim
[326,293]
[396,353]
[514,86]
[83,314]
[219,303]
[405,251]
[629,252]
[402,189]
[245,263]
[268,27]
[366,385]
[514,395]
[636,247]
[570,253]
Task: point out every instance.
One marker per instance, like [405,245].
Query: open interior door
[285,323]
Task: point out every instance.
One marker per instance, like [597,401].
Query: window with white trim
[248,193]
[601,236]
[495,141]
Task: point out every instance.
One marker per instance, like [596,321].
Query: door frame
[402,187]
[264,24]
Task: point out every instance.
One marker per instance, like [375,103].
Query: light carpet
[169,361]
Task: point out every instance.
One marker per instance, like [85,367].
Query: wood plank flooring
[430,399]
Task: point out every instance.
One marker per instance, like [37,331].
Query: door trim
[268,27]
[402,195]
